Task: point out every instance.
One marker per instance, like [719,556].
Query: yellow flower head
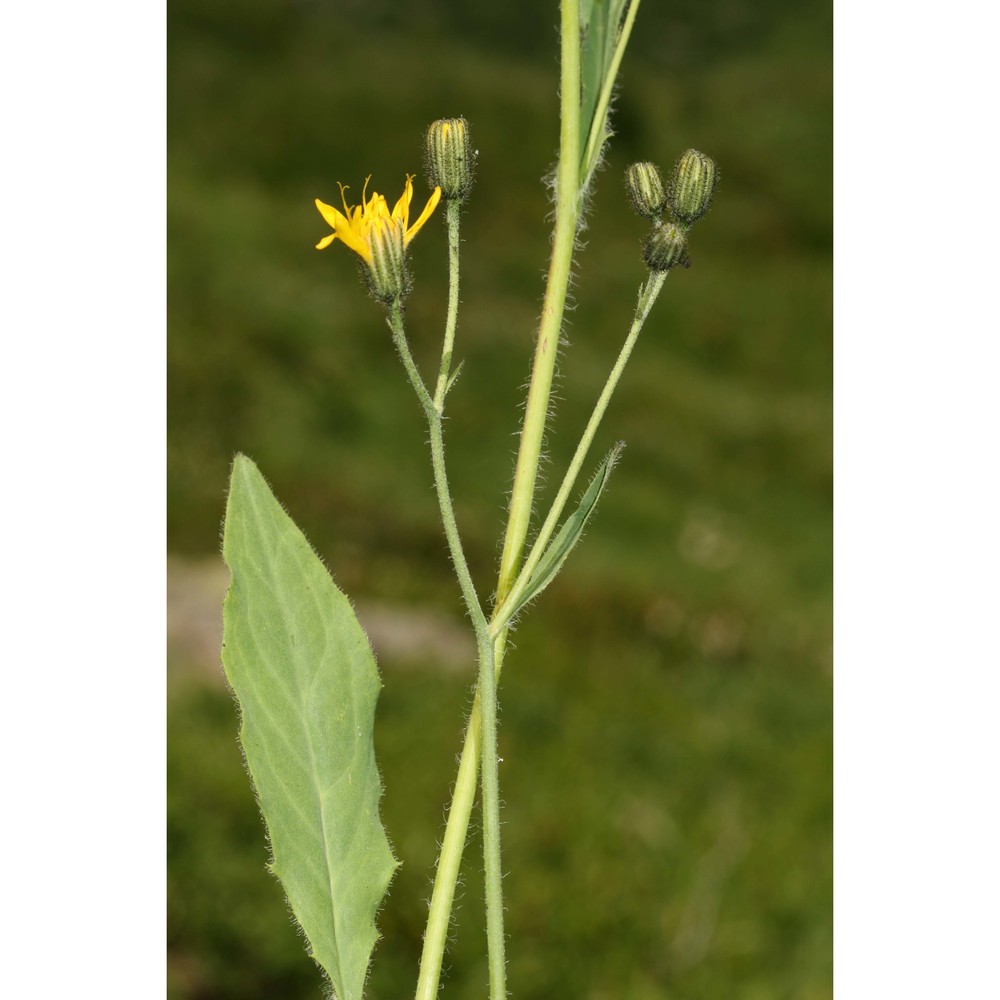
[364,227]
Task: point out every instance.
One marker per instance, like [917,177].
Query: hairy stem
[482,718]
[647,296]
[486,697]
[441,487]
[453,211]
[547,344]
[450,860]
[536,412]
[464,792]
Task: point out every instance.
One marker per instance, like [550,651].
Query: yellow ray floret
[358,225]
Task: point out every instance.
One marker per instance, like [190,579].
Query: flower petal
[351,237]
[326,241]
[432,203]
[401,211]
[329,213]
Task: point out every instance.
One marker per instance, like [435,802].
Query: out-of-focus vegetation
[666,710]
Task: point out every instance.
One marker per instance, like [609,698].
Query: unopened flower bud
[387,275]
[692,186]
[645,190]
[450,158]
[665,247]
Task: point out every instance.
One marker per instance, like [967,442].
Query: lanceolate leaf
[569,534]
[307,684]
[599,24]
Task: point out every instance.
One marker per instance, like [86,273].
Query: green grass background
[666,711]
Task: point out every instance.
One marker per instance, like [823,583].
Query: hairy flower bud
[645,190]
[665,247]
[387,275]
[450,158]
[692,186]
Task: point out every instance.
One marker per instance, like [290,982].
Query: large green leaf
[307,684]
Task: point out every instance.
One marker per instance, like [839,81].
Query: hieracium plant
[296,656]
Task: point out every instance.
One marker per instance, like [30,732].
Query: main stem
[547,344]
[482,719]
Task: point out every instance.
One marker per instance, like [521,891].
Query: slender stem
[454,208]
[536,413]
[453,845]
[525,475]
[487,697]
[547,344]
[450,860]
[468,588]
[647,296]
[464,792]
[490,776]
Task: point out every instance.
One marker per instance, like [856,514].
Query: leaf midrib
[281,599]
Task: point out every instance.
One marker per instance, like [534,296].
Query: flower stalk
[648,294]
[444,374]
[447,876]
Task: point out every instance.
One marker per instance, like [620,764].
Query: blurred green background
[666,711]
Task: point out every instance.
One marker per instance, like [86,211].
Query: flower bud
[665,247]
[450,158]
[387,275]
[692,186]
[645,190]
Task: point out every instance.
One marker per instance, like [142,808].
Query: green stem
[450,860]
[547,344]
[536,413]
[490,775]
[647,296]
[453,845]
[486,695]
[468,588]
[482,718]
[454,208]
[464,792]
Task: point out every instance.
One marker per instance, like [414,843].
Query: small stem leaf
[453,377]
[599,24]
[305,677]
[569,534]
